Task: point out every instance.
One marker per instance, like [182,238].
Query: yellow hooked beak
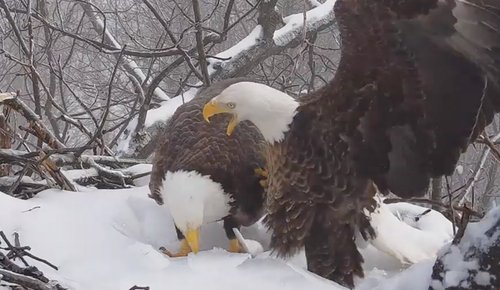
[193,239]
[213,108]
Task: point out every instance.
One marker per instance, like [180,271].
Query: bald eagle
[202,177]
[418,80]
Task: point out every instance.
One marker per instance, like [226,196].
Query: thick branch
[240,64]
[269,19]
[284,38]
[64,157]
[202,58]
[39,129]
[52,78]
[30,283]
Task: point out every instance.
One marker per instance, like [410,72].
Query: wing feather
[417,82]
[436,68]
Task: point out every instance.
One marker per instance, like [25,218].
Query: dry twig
[28,276]
[444,207]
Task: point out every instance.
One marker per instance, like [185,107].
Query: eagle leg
[184,250]
[332,253]
[262,173]
[234,244]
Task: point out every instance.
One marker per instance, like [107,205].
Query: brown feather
[189,143]
[417,82]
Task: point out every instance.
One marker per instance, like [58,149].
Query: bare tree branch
[41,131]
[202,58]
[477,172]
[98,133]
[130,66]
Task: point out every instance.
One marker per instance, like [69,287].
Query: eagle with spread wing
[417,82]
[201,176]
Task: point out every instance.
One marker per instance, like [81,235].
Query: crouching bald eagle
[417,82]
[201,176]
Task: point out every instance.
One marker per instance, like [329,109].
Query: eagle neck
[275,121]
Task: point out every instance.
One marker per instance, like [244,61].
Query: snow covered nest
[109,239]
[410,233]
[473,263]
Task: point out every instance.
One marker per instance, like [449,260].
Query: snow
[153,116]
[7,96]
[108,239]
[129,63]
[168,108]
[314,3]
[417,277]
[478,234]
[246,43]
[294,24]
[139,169]
[407,240]
[424,219]
[9,180]
[458,261]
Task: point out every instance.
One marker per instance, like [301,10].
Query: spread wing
[419,80]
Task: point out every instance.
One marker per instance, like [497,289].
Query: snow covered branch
[22,280]
[245,55]
[37,128]
[129,65]
[263,41]
[109,172]
[473,262]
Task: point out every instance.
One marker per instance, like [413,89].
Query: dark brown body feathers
[190,143]
[417,82]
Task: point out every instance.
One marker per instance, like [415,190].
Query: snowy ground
[108,239]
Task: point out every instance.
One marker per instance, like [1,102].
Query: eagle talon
[261,172]
[183,251]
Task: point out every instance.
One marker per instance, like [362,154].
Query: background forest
[100,78]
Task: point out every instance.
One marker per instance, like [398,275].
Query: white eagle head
[193,200]
[270,110]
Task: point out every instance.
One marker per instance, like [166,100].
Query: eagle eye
[231,105]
